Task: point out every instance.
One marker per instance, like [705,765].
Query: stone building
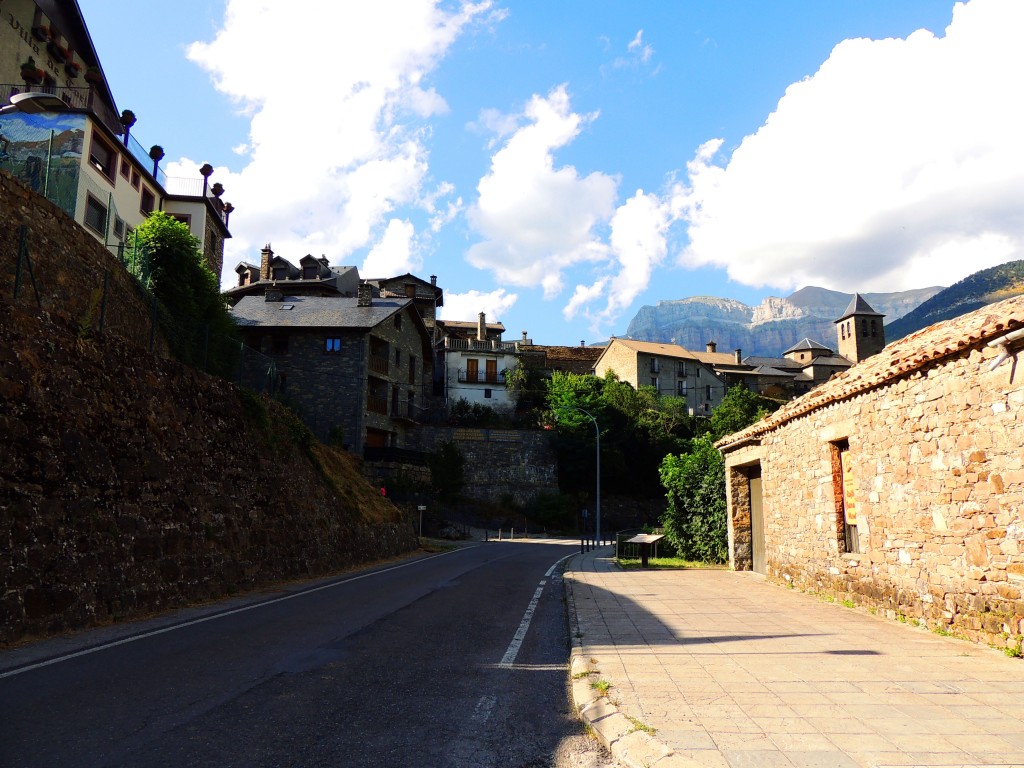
[312,277]
[669,368]
[898,483]
[357,369]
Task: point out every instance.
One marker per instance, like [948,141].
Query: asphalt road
[419,663]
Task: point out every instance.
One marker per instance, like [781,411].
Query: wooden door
[472,370]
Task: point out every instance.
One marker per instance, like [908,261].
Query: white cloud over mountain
[899,164]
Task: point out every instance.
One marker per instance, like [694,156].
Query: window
[332,345]
[309,272]
[842,329]
[184,218]
[708,393]
[280,273]
[654,365]
[398,357]
[136,179]
[874,328]
[845,497]
[412,369]
[103,157]
[118,227]
[148,201]
[398,320]
[126,168]
[410,291]
[95,215]
[681,388]
[487,394]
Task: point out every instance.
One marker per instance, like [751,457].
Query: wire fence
[115,299]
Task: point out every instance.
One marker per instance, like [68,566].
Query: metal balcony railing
[477,345]
[379,364]
[377,405]
[481,377]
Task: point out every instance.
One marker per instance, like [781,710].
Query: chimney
[364,295]
[265,256]
[711,347]
[433,281]
[524,337]
[739,357]
[481,327]
[583,342]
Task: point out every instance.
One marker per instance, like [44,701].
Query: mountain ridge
[767,329]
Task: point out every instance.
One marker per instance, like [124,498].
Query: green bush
[695,521]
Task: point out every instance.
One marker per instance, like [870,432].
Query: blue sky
[558,165]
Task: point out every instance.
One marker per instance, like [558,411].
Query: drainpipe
[1003,344]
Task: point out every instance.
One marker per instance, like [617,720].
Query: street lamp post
[597,495]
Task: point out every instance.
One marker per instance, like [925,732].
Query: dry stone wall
[938,482]
[130,483]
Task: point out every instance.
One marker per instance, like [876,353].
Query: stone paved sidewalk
[733,671]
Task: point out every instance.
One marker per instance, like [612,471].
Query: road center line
[517,640]
[212,617]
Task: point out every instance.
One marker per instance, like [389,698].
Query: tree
[739,409]
[173,268]
[695,521]
[447,471]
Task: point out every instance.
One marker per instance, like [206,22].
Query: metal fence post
[103,300]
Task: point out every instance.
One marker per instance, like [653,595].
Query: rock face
[767,329]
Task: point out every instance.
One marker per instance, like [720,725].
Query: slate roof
[314,312]
[807,345]
[858,307]
[900,358]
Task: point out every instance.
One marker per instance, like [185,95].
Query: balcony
[476,345]
[379,364]
[482,377]
[377,405]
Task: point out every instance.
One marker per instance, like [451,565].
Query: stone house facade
[358,370]
[669,368]
[899,483]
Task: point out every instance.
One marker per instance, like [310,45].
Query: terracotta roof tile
[899,358]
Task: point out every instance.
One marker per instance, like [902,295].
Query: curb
[630,746]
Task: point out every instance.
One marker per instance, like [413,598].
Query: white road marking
[517,640]
[193,622]
[484,708]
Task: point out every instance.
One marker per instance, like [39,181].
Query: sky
[558,165]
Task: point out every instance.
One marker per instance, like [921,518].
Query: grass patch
[667,563]
[601,686]
[848,603]
[639,725]
[1013,652]
[435,545]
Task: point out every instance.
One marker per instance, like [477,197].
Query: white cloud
[394,253]
[336,141]
[899,164]
[639,53]
[467,306]
[536,219]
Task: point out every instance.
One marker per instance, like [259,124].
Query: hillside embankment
[130,483]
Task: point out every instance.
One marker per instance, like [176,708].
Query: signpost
[422,508]
[645,540]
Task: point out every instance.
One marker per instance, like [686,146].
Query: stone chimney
[739,357]
[364,295]
[265,257]
[433,281]
[583,342]
[711,346]
[481,327]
